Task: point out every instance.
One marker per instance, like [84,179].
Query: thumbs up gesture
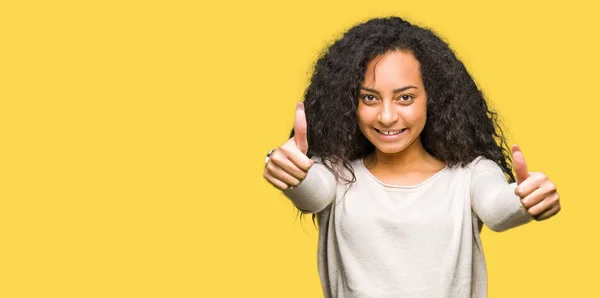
[537,192]
[288,165]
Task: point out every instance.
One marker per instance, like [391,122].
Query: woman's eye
[406,97]
[368,97]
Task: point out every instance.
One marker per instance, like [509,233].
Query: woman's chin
[390,148]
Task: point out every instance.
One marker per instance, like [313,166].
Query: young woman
[399,157]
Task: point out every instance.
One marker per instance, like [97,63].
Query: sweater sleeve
[316,191]
[493,199]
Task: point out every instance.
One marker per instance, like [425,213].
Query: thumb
[519,164]
[300,128]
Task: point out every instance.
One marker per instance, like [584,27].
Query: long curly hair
[459,127]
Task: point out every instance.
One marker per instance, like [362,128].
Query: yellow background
[133,134]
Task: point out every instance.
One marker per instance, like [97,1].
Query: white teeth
[395,132]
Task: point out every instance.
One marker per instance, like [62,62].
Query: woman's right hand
[288,165]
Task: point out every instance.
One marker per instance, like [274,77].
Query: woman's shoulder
[482,164]
[324,164]
[478,164]
[354,163]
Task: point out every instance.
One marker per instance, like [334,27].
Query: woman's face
[392,103]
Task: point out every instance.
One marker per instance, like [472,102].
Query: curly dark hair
[460,125]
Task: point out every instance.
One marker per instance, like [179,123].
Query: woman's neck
[413,158]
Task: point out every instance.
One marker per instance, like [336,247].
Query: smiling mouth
[390,132]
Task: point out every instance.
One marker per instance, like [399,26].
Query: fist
[288,165]
[537,192]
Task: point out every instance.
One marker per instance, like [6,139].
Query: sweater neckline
[430,178]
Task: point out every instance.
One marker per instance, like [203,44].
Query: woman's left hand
[537,192]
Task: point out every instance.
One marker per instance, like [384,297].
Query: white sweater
[380,240]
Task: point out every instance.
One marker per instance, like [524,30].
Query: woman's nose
[388,114]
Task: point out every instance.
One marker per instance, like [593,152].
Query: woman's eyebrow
[395,91]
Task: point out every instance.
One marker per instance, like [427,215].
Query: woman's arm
[316,191]
[307,182]
[494,200]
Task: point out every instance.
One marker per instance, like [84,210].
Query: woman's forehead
[393,68]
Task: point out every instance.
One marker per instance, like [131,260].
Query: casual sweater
[381,240]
